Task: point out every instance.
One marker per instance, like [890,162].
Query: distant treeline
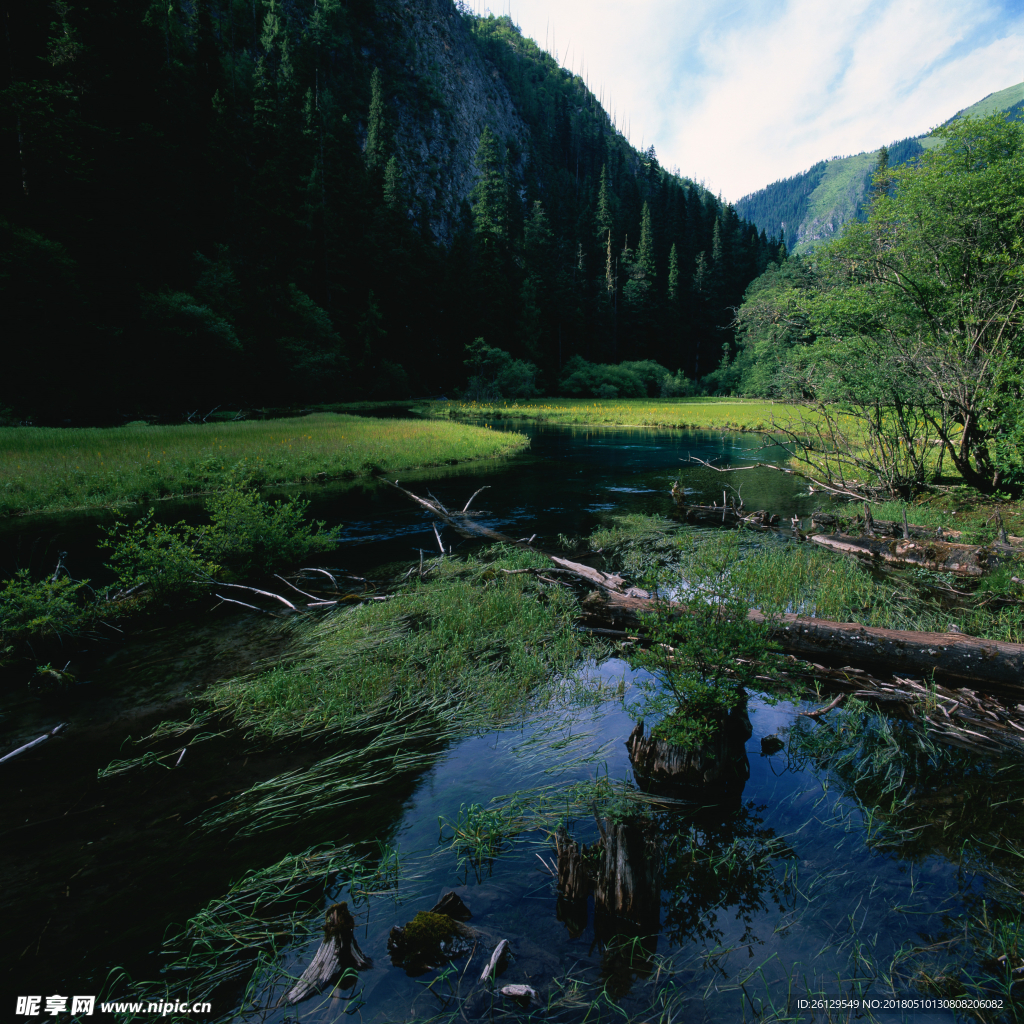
[202,205]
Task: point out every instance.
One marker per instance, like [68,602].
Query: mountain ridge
[811,207]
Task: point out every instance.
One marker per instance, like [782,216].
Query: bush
[642,379]
[41,612]
[245,536]
[494,374]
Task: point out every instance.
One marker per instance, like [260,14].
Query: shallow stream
[826,879]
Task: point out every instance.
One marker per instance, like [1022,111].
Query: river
[803,888]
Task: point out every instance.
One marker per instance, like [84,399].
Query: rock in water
[451,905]
[428,940]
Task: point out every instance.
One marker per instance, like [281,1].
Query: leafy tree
[922,308]
[495,374]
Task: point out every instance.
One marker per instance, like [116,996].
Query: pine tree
[393,193]
[643,268]
[604,207]
[673,274]
[490,194]
[377,141]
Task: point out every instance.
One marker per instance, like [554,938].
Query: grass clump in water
[241,934]
[476,633]
[805,580]
[51,468]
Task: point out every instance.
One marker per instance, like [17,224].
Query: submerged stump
[432,937]
[621,870]
[338,951]
[714,772]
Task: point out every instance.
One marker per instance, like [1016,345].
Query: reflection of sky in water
[822,905]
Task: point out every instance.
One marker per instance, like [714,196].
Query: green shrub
[245,536]
[40,612]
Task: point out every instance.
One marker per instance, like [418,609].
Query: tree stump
[714,772]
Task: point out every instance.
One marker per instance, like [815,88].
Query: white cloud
[742,93]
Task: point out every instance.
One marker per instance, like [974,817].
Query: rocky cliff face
[445,95]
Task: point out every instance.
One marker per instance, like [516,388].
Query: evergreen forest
[267,204]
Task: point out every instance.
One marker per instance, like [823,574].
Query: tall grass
[50,468]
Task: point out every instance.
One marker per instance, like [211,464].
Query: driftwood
[815,484]
[725,513]
[338,951]
[960,716]
[498,958]
[937,555]
[521,993]
[34,743]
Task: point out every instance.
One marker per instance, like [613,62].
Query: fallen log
[956,657]
[895,528]
[937,555]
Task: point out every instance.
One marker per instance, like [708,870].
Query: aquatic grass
[479,834]
[387,751]
[57,468]
[238,937]
[476,630]
[805,580]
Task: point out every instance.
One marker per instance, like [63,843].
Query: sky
[740,93]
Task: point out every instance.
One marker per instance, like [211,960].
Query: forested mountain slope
[208,202]
[813,206]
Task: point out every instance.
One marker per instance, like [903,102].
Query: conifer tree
[644,266]
[604,207]
[377,141]
[393,195]
[673,274]
[490,194]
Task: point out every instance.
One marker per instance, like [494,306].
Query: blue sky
[739,93]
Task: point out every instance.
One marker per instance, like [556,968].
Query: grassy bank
[682,413]
[46,469]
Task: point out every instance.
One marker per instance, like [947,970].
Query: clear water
[812,901]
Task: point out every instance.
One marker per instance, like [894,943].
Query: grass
[240,935]
[47,469]
[681,413]
[478,631]
[803,579]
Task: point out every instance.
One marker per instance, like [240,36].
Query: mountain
[258,202]
[812,207]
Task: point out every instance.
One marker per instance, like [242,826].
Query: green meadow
[46,469]
[682,413]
